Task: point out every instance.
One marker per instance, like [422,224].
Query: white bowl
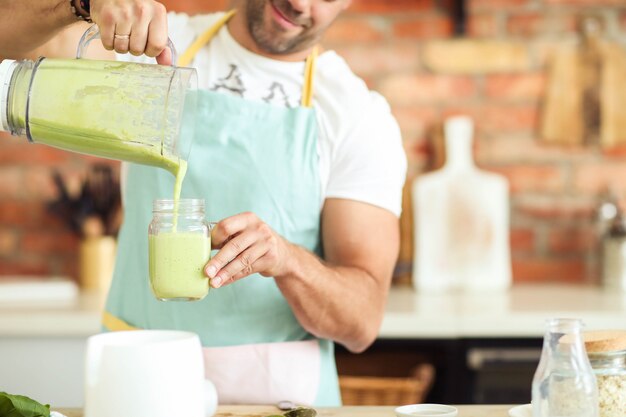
[426,410]
[525,410]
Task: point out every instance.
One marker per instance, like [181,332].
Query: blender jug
[142,113]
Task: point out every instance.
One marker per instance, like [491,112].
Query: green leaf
[301,412]
[21,406]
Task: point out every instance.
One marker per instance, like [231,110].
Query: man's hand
[246,246]
[135,26]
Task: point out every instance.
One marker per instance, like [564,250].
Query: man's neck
[238,28]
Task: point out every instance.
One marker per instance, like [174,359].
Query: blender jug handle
[94,33]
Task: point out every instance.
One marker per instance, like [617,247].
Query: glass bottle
[134,112]
[564,384]
[179,242]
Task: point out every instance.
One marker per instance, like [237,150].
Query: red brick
[194,6]
[530,86]
[24,267]
[374,60]
[386,6]
[548,270]
[354,29]
[522,240]
[597,176]
[483,25]
[553,207]
[8,242]
[424,27]
[532,178]
[507,148]
[18,151]
[573,240]
[38,184]
[49,243]
[11,182]
[535,24]
[594,3]
[510,118]
[28,215]
[493,119]
[410,89]
[415,121]
[496,4]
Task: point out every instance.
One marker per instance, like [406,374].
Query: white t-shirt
[359,145]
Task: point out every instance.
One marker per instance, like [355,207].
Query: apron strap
[114,324]
[309,76]
[188,56]
[309,70]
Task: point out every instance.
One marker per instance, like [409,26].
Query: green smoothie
[124,111]
[177,263]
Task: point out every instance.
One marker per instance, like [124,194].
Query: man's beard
[273,41]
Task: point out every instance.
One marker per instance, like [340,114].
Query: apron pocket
[265,373]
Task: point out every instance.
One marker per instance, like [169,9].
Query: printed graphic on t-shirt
[277,96]
[231,82]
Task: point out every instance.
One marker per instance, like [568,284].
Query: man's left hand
[246,246]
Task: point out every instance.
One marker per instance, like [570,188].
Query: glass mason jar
[607,355]
[564,384]
[179,241]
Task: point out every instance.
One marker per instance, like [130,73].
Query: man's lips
[282,18]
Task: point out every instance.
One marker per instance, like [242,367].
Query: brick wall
[406,50]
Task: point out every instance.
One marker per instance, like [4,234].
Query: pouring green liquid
[123,111]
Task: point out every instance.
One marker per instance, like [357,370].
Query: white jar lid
[7,67]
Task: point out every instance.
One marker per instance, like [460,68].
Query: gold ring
[122,37]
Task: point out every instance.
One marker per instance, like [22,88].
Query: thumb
[165,57]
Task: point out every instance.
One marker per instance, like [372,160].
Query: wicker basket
[366,390]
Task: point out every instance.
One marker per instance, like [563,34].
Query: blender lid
[7,67]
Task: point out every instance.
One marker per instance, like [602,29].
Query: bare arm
[341,298]
[28,25]
[49,28]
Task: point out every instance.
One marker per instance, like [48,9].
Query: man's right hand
[135,26]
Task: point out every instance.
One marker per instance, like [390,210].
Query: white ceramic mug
[147,373]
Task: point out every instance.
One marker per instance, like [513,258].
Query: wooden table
[263,411]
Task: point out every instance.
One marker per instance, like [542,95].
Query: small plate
[525,410]
[426,410]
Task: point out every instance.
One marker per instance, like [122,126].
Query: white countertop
[78,317]
[519,312]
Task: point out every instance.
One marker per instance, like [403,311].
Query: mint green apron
[246,156]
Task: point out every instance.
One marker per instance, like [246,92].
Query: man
[303,165]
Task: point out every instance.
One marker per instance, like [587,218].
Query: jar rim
[184,204]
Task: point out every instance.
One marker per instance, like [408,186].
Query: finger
[165,57]
[121,38]
[228,253]
[229,227]
[157,33]
[139,37]
[106,25]
[242,266]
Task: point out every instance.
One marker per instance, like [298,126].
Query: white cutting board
[461,221]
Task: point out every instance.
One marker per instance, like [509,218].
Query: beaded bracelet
[84,6]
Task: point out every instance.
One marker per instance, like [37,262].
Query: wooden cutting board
[369,411]
[585,99]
